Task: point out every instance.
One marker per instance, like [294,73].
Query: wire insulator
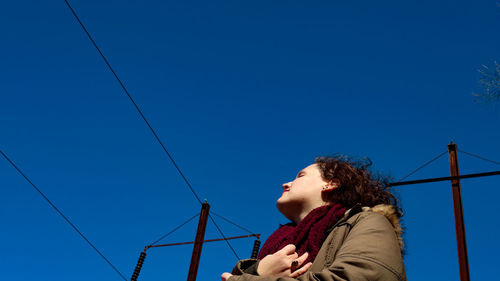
[138,266]
[256,248]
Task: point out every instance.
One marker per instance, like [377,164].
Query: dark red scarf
[308,235]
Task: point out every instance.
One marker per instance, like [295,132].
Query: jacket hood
[390,213]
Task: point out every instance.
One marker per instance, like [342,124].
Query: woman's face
[303,194]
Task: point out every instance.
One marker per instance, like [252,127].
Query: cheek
[320,184]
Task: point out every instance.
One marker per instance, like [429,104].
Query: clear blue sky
[244,94]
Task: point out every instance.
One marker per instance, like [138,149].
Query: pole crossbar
[204,241]
[477,175]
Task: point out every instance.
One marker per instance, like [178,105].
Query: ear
[332,184]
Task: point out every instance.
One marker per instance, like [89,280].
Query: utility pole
[459,214]
[198,242]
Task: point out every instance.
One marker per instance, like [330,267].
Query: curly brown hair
[357,183]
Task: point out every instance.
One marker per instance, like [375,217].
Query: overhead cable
[135,104]
[173,230]
[480,157]
[427,163]
[233,223]
[62,215]
[145,120]
[223,236]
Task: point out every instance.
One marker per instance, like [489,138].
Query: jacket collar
[348,214]
[388,211]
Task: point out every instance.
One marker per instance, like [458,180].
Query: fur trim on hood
[390,213]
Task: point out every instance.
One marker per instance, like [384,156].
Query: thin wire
[135,104]
[63,216]
[143,117]
[427,163]
[233,223]
[175,229]
[480,157]
[223,236]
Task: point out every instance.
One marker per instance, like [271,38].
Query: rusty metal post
[198,242]
[459,214]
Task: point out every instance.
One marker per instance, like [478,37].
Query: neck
[301,215]
[296,213]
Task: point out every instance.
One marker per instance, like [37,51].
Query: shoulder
[380,217]
[371,240]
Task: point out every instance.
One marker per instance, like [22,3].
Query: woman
[345,226]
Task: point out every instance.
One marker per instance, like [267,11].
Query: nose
[287,185]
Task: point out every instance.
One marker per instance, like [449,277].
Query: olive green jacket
[366,244]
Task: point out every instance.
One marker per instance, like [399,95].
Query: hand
[280,263]
[225,276]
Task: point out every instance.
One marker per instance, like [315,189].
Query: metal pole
[459,214]
[198,242]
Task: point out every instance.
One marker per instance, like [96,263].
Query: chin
[286,208]
[281,205]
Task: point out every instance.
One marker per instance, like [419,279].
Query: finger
[293,256]
[287,250]
[294,266]
[302,258]
[301,270]
[225,276]
[298,261]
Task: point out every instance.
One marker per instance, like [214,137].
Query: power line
[145,120]
[223,236]
[135,104]
[233,223]
[427,163]
[480,157]
[173,230]
[62,215]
